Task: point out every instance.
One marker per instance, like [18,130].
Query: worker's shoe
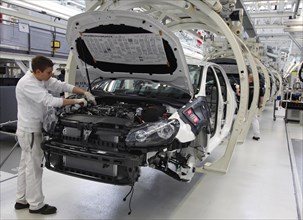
[256,138]
[19,206]
[45,210]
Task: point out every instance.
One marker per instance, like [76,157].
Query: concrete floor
[261,184]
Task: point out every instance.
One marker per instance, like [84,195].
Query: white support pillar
[279,93]
[70,70]
[267,83]
[22,66]
[253,107]
[222,164]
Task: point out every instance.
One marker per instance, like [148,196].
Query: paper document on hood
[141,49]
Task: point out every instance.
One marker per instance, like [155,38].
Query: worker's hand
[90,97]
[81,102]
[237,86]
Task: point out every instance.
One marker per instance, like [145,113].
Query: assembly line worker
[32,99]
[255,121]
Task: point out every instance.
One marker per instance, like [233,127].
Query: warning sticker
[126,48]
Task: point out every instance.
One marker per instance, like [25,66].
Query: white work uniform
[33,98]
[255,126]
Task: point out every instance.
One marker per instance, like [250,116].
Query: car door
[229,103]
[213,94]
[223,86]
[207,84]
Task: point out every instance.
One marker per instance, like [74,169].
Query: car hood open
[125,44]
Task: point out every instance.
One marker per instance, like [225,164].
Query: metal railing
[34,40]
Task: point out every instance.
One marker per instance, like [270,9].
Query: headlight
[153,134]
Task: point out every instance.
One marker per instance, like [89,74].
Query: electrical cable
[88,80]
[130,200]
[131,193]
[87,75]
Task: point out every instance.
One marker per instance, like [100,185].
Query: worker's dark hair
[41,63]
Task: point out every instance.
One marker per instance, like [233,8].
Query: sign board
[137,49]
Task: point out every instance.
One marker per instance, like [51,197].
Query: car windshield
[139,88]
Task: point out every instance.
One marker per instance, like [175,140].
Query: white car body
[112,46]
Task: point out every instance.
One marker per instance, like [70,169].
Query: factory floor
[264,181]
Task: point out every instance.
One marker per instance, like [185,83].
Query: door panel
[223,92]
[212,95]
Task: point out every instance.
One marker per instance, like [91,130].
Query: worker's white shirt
[33,98]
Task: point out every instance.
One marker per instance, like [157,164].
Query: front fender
[193,117]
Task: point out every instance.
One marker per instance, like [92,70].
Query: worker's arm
[81,102]
[78,90]
[87,95]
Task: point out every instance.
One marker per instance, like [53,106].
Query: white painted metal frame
[267,83]
[202,14]
[279,93]
[253,108]
[253,60]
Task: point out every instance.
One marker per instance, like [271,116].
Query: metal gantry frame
[189,15]
[253,108]
[267,82]
[252,59]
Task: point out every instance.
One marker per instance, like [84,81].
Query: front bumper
[103,166]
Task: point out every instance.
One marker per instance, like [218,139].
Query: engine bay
[108,142]
[136,113]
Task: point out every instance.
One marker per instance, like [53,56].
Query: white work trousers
[255,126]
[29,184]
